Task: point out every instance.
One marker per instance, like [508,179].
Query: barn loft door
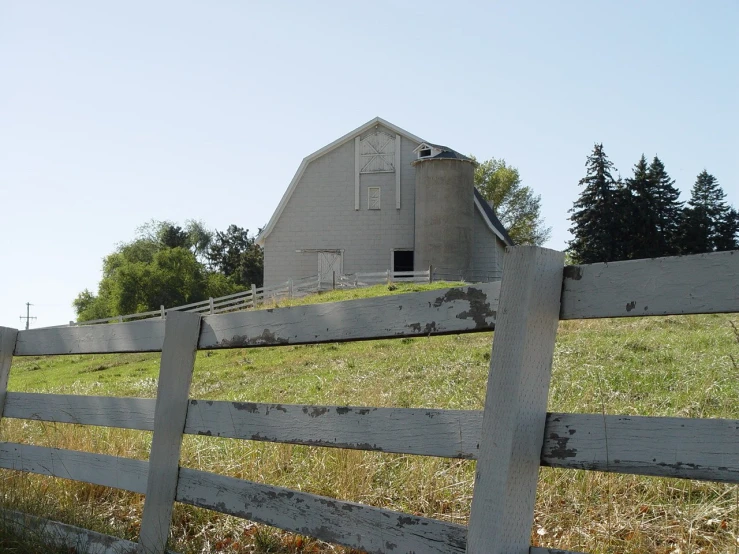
[328,262]
[377,153]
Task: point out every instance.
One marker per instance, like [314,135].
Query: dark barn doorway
[403,260]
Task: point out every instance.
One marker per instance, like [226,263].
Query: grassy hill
[668,366]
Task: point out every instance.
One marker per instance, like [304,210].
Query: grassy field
[668,366]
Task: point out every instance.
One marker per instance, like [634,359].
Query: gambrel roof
[483,207]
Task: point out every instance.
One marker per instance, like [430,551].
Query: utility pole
[27,317]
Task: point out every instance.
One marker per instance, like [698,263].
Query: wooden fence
[510,439]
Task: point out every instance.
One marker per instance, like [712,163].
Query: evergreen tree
[706,218]
[652,212]
[597,215]
[639,214]
[728,231]
[668,209]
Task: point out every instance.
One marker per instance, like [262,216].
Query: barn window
[403,260]
[377,153]
[426,150]
[373,198]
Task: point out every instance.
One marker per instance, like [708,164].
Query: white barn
[381,198]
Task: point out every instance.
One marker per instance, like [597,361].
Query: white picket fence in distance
[510,438]
[293,288]
[229,303]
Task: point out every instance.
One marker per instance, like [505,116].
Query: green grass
[671,366]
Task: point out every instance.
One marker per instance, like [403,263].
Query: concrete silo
[444,210]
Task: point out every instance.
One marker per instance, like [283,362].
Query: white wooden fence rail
[458,310]
[510,438]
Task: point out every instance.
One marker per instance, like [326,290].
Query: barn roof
[491,219]
[445,152]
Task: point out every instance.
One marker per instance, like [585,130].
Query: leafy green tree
[194,235]
[217,285]
[515,204]
[199,239]
[159,267]
[174,236]
[707,220]
[237,255]
[173,277]
[597,215]
[89,307]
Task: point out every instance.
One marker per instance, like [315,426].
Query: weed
[267,541]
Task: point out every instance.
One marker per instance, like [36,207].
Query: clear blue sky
[112,114]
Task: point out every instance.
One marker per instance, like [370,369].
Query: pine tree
[668,209]
[652,212]
[596,215]
[728,231]
[706,218]
[639,213]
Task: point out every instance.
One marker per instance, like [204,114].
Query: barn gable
[356,133]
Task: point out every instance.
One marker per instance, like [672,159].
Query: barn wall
[320,215]
[500,248]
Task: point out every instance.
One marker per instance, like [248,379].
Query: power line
[27,317]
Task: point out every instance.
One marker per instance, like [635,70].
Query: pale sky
[112,114]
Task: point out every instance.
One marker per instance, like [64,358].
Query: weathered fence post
[164,313]
[431,274]
[502,512]
[253,295]
[178,359]
[7,346]
[210,305]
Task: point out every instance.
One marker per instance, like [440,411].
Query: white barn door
[328,262]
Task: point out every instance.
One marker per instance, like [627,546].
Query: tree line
[170,265]
[642,216]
